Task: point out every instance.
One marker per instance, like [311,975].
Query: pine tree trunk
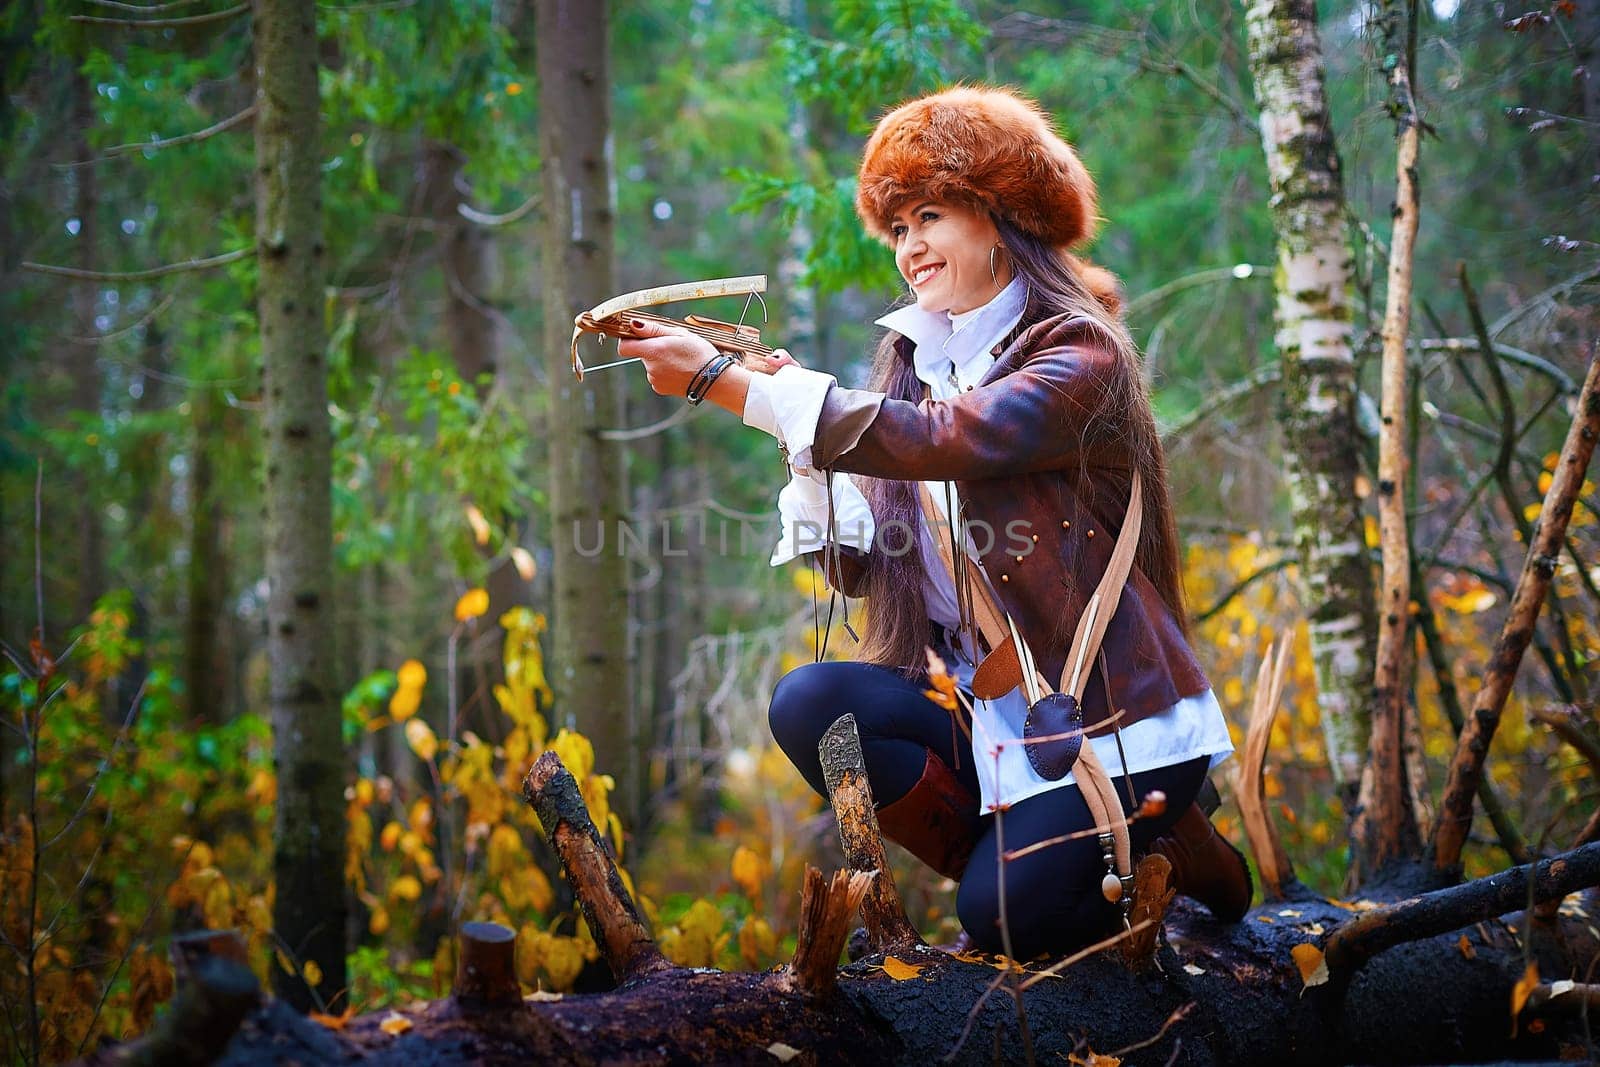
[1313,336]
[587,477]
[308,835]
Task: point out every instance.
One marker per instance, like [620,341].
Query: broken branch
[1466,769]
[1250,779]
[825,911]
[618,928]
[844,767]
[1445,910]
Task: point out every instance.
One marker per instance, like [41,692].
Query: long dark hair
[1058,283]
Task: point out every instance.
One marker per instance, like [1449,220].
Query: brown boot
[1205,867]
[937,821]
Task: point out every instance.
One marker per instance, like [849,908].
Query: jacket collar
[938,345]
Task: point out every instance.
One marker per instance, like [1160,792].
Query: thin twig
[1226,397]
[144,320]
[1212,276]
[485,218]
[140,275]
[143,9]
[1172,1020]
[972,1017]
[1555,292]
[164,142]
[1230,595]
[1056,968]
[159,24]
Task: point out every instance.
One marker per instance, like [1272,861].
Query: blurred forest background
[139,785]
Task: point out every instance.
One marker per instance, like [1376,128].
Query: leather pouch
[1058,717]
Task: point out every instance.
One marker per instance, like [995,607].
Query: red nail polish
[638,324]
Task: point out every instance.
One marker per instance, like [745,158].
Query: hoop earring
[993,277]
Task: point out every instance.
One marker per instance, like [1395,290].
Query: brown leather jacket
[1026,459]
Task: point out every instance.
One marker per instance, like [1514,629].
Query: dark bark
[1427,1001]
[308,832]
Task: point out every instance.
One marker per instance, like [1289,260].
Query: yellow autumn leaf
[522,559]
[406,887]
[1370,525]
[473,602]
[311,973]
[757,942]
[1522,991]
[411,675]
[479,524]
[1467,951]
[1470,602]
[562,959]
[697,937]
[1531,511]
[394,1024]
[576,753]
[378,921]
[364,791]
[419,735]
[333,1022]
[747,870]
[513,88]
[1313,968]
[900,970]
[390,836]
[1093,1059]
[404,703]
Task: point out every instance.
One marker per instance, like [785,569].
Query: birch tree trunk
[1385,828]
[1321,446]
[587,491]
[308,835]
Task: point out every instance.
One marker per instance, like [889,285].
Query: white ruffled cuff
[803,516]
[787,406]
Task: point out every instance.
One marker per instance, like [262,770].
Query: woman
[1011,389]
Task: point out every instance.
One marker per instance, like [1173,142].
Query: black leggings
[1053,898]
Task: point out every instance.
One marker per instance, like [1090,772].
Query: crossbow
[615,318]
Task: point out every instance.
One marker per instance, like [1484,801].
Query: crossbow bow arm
[611,318]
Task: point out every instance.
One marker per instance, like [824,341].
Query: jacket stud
[1036,537]
[1019,559]
[1089,534]
[1005,577]
[1066,525]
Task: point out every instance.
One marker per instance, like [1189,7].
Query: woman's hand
[780,358]
[672,355]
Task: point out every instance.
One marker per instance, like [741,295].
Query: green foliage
[423,436]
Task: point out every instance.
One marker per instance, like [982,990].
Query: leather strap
[1099,793]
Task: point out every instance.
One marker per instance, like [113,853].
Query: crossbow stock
[614,318]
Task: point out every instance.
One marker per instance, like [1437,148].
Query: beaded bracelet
[702,381]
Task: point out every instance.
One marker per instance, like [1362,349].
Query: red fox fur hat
[987,148]
[990,149]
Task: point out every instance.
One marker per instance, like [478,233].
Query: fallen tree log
[1239,994]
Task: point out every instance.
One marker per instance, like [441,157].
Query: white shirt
[952,354]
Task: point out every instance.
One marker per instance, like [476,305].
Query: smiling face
[942,251]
